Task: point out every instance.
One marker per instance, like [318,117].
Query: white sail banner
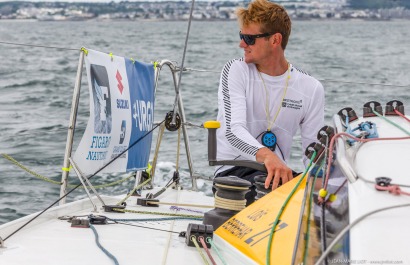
[121,114]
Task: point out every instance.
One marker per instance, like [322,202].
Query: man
[263,99]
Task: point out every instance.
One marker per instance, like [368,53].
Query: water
[36,87]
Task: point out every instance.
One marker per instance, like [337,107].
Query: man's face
[260,50]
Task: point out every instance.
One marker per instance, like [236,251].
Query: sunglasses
[250,39]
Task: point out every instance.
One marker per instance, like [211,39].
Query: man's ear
[277,38]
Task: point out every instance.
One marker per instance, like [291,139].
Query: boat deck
[146,242]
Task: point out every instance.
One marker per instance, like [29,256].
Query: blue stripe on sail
[141,83]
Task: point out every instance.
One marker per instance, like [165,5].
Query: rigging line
[38,46]
[350,226]
[73,189]
[140,226]
[362,83]
[201,70]
[285,203]
[183,59]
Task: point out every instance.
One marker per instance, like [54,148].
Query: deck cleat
[393,105]
[147,202]
[383,182]
[111,208]
[97,219]
[347,113]
[80,222]
[319,150]
[371,106]
[326,134]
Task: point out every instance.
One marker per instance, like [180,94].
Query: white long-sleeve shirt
[242,114]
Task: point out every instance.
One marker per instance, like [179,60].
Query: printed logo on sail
[101,99]
[119,79]
[121,103]
[292,104]
[143,114]
[99,145]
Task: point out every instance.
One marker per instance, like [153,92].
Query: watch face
[269,139]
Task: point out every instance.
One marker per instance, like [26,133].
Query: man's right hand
[277,170]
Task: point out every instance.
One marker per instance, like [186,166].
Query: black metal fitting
[383,181]
[111,208]
[98,219]
[146,202]
[347,112]
[312,148]
[394,105]
[198,230]
[370,106]
[169,124]
[326,134]
[80,223]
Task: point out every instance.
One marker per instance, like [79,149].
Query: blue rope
[101,247]
[156,219]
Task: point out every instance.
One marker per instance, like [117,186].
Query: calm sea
[36,86]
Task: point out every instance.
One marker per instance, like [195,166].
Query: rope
[201,239]
[394,189]
[355,222]
[309,212]
[193,239]
[231,187]
[39,46]
[11,159]
[158,213]
[133,190]
[166,250]
[210,241]
[15,162]
[69,192]
[182,204]
[235,205]
[362,83]
[106,252]
[392,123]
[337,190]
[203,70]
[268,254]
[178,149]
[155,219]
[184,209]
[183,56]
[401,115]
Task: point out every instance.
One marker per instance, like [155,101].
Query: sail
[121,113]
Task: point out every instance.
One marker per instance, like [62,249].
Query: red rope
[401,115]
[332,142]
[395,189]
[201,238]
[331,147]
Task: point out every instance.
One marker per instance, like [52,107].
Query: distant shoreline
[196,20]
